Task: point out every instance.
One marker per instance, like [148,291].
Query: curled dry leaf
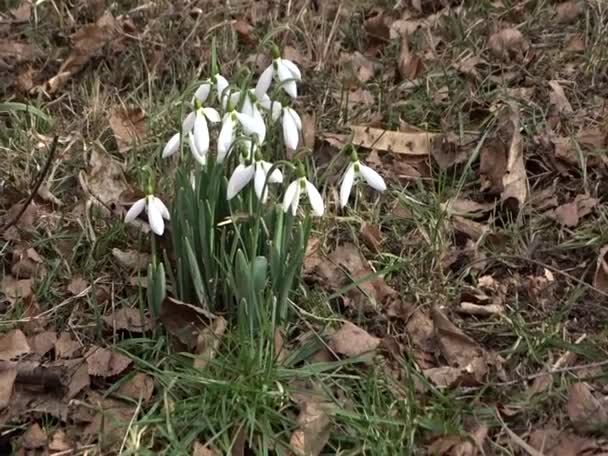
[13,345]
[131,259]
[470,308]
[359,65]
[208,342]
[203,450]
[558,98]
[105,181]
[27,264]
[515,180]
[600,279]
[184,321]
[128,319]
[128,126]
[587,413]
[413,144]
[352,341]
[466,207]
[372,236]
[314,428]
[105,363]
[60,442]
[509,44]
[77,285]
[140,386]
[410,65]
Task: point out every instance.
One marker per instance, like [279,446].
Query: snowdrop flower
[171,146]
[285,71]
[301,185]
[156,210]
[196,122]
[250,126]
[355,170]
[273,107]
[199,156]
[292,125]
[258,171]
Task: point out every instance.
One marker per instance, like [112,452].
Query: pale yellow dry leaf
[203,450]
[414,144]
[60,442]
[314,428]
[7,381]
[508,44]
[105,180]
[138,387]
[558,98]
[515,180]
[128,126]
[13,344]
[208,342]
[351,341]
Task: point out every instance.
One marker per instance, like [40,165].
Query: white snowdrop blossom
[258,171]
[155,209]
[171,146]
[354,171]
[196,121]
[292,125]
[251,127]
[275,108]
[300,186]
[285,71]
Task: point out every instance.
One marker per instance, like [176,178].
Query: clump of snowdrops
[241,213]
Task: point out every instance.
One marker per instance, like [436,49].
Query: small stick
[37,185]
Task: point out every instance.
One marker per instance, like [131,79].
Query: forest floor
[463,311]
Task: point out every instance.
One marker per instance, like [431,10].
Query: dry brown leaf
[43,342]
[7,381]
[570,214]
[280,351]
[128,319]
[575,42]
[105,363]
[447,150]
[587,413]
[80,379]
[466,207]
[140,386]
[87,42]
[445,376]
[65,346]
[184,321]
[372,236]
[19,51]
[352,341]
[472,229]
[560,443]
[129,127]
[13,344]
[410,65]
[105,181]
[77,285]
[27,264]
[34,437]
[203,450]
[112,420]
[361,67]
[515,180]
[509,44]
[60,442]
[413,144]
[309,130]
[359,96]
[558,98]
[568,12]
[208,341]
[14,289]
[468,64]
[470,308]
[244,31]
[314,428]
[23,12]
[378,26]
[600,279]
[132,259]
[454,445]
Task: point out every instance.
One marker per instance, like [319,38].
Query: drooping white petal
[188,123]
[234,99]
[212,115]
[171,146]
[287,80]
[251,126]
[274,107]
[155,217]
[247,106]
[163,209]
[290,130]
[373,179]
[316,202]
[225,138]
[259,182]
[347,184]
[198,156]
[201,134]
[296,117]
[259,120]
[135,210]
[240,177]
[202,92]
[293,69]
[220,84]
[291,195]
[276,177]
[264,82]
